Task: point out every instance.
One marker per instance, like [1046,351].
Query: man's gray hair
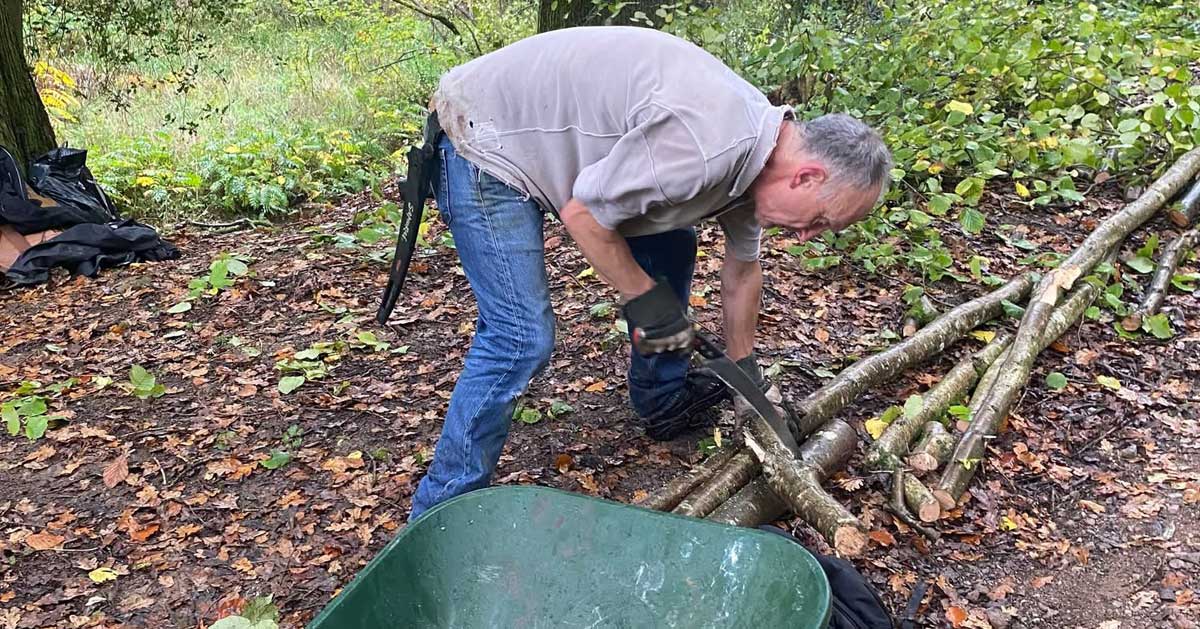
[854,151]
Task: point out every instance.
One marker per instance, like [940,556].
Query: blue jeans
[498,235]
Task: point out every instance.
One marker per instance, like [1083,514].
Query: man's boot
[693,408]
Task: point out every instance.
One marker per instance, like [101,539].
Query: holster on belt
[415,190]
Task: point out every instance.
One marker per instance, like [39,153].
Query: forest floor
[1085,513]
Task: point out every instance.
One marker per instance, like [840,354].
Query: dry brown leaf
[141,534]
[956,615]
[562,463]
[116,471]
[1041,582]
[1000,591]
[247,390]
[44,541]
[822,335]
[1094,507]
[883,538]
[596,387]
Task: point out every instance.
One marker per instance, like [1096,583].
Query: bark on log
[986,422]
[751,506]
[725,483]
[933,450]
[1189,206]
[920,499]
[670,496]
[1168,263]
[886,452]
[1039,315]
[798,481]
[900,481]
[824,403]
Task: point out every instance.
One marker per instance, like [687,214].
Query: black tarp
[87,248]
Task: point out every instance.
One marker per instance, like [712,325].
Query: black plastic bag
[66,194]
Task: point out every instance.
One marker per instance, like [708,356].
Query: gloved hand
[657,322]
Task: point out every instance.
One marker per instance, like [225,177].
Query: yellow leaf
[1008,524]
[875,427]
[232,149]
[357,454]
[1049,142]
[984,335]
[1022,191]
[717,436]
[936,168]
[959,106]
[144,181]
[588,272]
[102,575]
[1109,382]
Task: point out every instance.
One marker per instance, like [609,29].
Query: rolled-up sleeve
[743,235]
[658,162]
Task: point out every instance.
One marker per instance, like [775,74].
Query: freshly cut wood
[920,499]
[933,450]
[798,481]
[899,482]
[1189,206]
[670,496]
[1042,314]
[751,506]
[824,403]
[886,452]
[724,483]
[986,420]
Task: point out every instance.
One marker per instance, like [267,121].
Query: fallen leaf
[102,575]
[984,335]
[1094,507]
[883,538]
[822,335]
[116,471]
[247,390]
[143,533]
[875,427]
[1041,582]
[1060,347]
[697,301]
[1000,591]
[44,541]
[596,387]
[562,463]
[1109,382]
[956,615]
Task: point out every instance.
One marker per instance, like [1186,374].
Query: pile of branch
[762,481]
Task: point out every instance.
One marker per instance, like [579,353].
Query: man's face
[810,202]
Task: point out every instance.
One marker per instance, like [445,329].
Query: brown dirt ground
[1084,514]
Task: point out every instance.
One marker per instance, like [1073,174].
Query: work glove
[657,321]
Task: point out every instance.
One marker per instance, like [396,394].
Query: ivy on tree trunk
[24,126]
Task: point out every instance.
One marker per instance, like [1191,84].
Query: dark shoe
[692,409]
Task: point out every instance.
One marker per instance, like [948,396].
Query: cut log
[898,506]
[933,450]
[726,482]
[920,499]
[986,420]
[1041,314]
[886,452]
[1189,206]
[798,481]
[670,496]
[824,403]
[751,506]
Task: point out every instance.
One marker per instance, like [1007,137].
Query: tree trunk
[24,126]
[556,14]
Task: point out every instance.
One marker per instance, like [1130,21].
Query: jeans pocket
[494,191]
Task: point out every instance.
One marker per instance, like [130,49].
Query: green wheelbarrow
[518,556]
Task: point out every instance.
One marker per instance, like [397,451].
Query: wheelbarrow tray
[520,556]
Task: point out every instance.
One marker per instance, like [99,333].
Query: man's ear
[808,174]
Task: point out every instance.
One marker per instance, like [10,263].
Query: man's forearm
[606,250]
[741,294]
